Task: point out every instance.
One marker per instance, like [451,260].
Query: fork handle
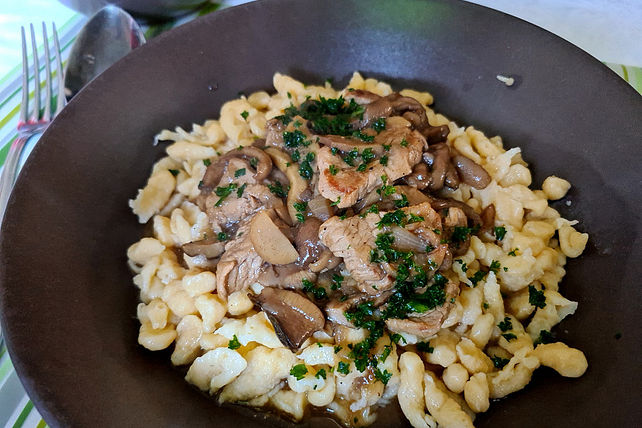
[10,172]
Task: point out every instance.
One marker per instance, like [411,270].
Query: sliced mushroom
[269,241]
[471,173]
[294,317]
[215,171]
[307,241]
[210,248]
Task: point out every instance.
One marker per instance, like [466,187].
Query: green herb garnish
[299,371]
[234,343]
[536,297]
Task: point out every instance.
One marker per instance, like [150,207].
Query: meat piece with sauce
[354,239]
[240,264]
[348,185]
[234,208]
[424,325]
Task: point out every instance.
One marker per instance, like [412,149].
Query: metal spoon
[107,37]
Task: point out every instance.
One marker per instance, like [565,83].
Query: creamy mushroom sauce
[335,249]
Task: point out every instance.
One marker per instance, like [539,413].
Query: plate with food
[417,214]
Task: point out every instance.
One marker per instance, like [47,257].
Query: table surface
[610,30]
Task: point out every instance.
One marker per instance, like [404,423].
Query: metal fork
[37,121]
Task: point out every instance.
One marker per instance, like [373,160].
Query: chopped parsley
[461,233]
[222,236]
[299,371]
[464,266]
[505,325]
[296,156]
[385,189]
[477,276]
[494,266]
[335,203]
[337,349]
[343,367]
[536,297]
[297,123]
[404,143]
[207,162]
[425,347]
[334,151]
[485,305]
[239,172]
[384,160]
[301,208]
[396,338]
[224,192]
[319,293]
[254,162]
[545,336]
[234,343]
[509,336]
[174,172]
[321,374]
[499,362]
[278,189]
[397,217]
[351,156]
[499,232]
[363,137]
[367,155]
[337,280]
[387,349]
[379,124]
[384,376]
[386,147]
[513,252]
[305,169]
[333,170]
[414,218]
[244,114]
[295,139]
[326,115]
[403,202]
[240,190]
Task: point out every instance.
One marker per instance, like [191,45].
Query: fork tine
[24,105]
[36,77]
[61,100]
[47,114]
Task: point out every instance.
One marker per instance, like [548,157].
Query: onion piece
[405,240]
[269,242]
[320,208]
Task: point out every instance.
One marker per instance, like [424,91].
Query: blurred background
[610,30]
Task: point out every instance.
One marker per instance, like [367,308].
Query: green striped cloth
[16,410]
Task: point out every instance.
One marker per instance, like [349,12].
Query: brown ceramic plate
[68,303]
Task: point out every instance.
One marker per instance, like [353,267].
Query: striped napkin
[16,409]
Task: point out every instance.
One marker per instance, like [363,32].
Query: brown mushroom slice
[210,248]
[471,173]
[269,241]
[307,241]
[294,317]
[215,171]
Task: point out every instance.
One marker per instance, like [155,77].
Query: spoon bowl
[107,37]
